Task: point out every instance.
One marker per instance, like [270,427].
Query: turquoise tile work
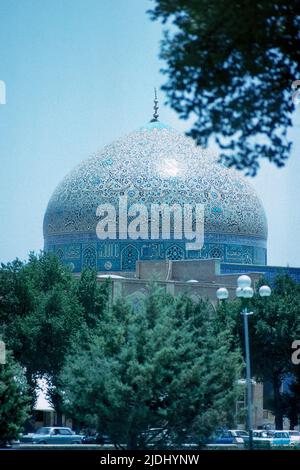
[154,165]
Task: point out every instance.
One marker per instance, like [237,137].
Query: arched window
[130,255]
[89,257]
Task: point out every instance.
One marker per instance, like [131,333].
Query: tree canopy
[162,365]
[230,65]
[42,309]
[152,362]
[273,327]
[14,409]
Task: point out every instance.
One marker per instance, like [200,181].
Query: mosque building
[158,168]
[132,210]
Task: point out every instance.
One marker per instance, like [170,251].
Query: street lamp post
[244,290]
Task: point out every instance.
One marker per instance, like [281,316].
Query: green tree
[291,400]
[92,295]
[40,313]
[162,364]
[230,67]
[59,317]
[18,299]
[14,409]
[273,327]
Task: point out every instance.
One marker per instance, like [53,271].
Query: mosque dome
[154,165]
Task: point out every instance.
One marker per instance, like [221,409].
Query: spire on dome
[155,107]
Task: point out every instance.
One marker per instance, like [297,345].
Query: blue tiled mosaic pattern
[154,164]
[269,272]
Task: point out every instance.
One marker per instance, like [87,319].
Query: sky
[79,74]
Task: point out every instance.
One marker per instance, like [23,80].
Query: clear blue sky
[80,73]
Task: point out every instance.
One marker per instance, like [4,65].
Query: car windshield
[43,431]
[281,435]
[294,433]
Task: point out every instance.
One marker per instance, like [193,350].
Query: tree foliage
[14,409]
[162,365]
[273,327]
[92,296]
[42,309]
[230,67]
[162,362]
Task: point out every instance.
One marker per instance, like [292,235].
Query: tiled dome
[154,164]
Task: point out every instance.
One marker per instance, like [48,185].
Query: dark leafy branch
[230,65]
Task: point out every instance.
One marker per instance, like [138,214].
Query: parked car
[295,438]
[239,434]
[260,438]
[279,438]
[229,437]
[260,434]
[56,435]
[268,439]
[26,438]
[97,438]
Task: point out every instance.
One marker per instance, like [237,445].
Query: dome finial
[155,107]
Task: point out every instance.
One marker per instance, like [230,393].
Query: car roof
[58,427]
